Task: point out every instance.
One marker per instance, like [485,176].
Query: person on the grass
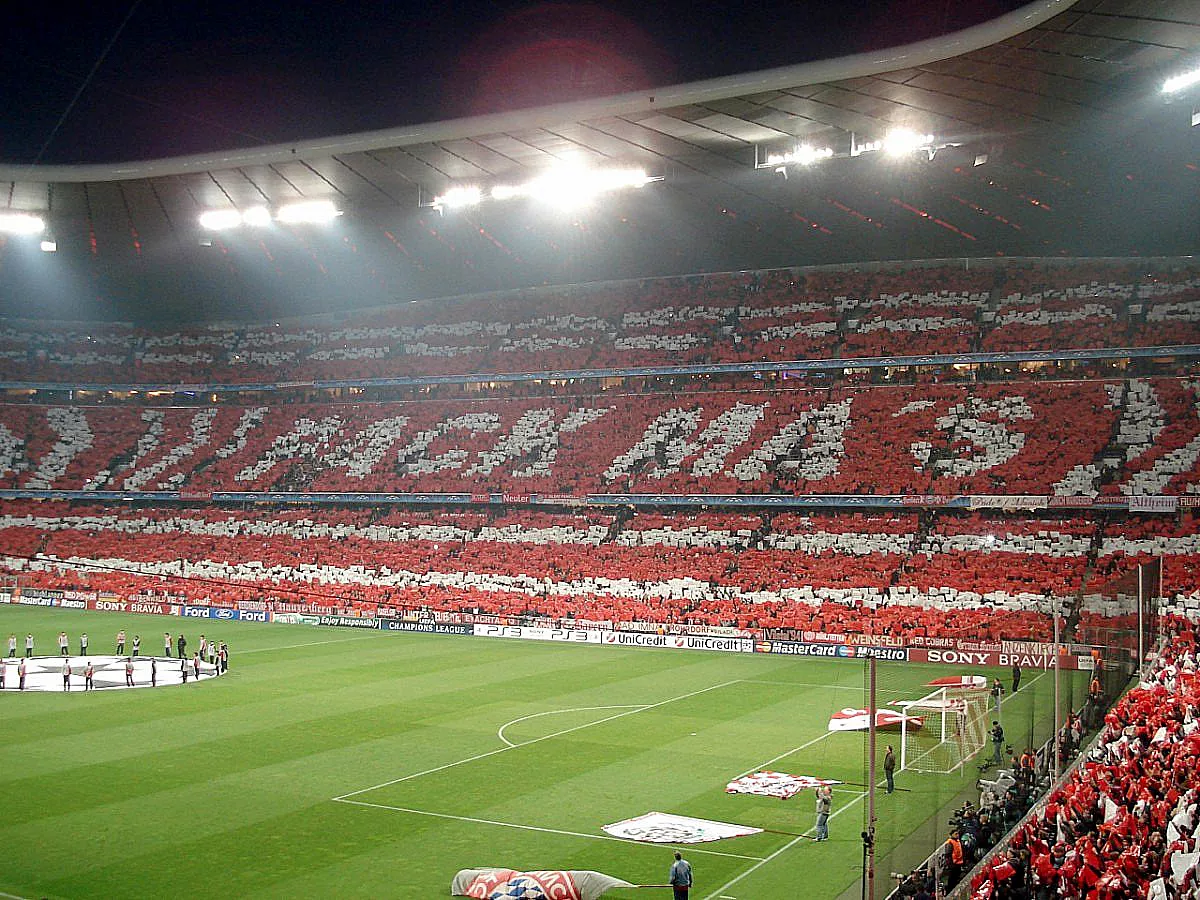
[681,877]
[66,675]
[21,674]
[129,671]
[83,644]
[137,645]
[153,672]
[181,645]
[121,642]
[12,645]
[196,665]
[89,676]
[889,768]
[824,808]
[1016,677]
[63,644]
[29,645]
[166,643]
[997,734]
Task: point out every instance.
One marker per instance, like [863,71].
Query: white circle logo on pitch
[46,673]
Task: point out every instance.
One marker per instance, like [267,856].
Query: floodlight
[308,211]
[574,186]
[49,247]
[258,216]
[902,141]
[1181,82]
[21,223]
[220,219]
[804,155]
[459,198]
[504,192]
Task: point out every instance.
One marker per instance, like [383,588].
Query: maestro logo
[762,646]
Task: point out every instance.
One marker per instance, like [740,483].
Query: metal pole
[1054,763]
[868,842]
[1141,625]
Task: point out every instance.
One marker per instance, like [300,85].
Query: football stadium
[646,458]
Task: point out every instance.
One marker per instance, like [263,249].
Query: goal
[953,729]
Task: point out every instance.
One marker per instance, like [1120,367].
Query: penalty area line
[719,892]
[543,830]
[555,712]
[545,737]
[364,637]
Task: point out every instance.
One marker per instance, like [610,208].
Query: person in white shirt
[62,644]
[29,645]
[12,646]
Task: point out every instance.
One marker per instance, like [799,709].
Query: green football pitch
[336,763]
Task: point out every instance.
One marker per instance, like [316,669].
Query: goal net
[952,729]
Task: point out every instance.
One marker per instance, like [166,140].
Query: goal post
[942,730]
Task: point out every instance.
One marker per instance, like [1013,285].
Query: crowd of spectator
[1122,825]
[718,318]
[884,573]
[1062,438]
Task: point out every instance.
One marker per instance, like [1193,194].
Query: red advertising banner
[951,657]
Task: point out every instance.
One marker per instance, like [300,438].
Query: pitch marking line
[828,687]
[11,896]
[545,737]
[762,766]
[364,637]
[579,834]
[720,892]
[793,842]
[555,712]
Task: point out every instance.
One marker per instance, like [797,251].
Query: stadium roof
[1055,95]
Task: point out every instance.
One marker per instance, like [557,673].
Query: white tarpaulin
[663,828]
[775,784]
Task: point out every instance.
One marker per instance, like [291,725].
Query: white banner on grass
[775,784]
[664,828]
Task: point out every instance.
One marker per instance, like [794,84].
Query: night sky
[191,77]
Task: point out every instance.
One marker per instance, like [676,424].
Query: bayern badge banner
[503,884]
[664,828]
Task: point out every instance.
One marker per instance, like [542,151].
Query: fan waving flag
[502,884]
[663,828]
[775,784]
